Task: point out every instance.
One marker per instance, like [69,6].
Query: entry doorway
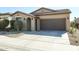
[28,24]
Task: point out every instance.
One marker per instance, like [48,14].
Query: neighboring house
[44,19]
[5,15]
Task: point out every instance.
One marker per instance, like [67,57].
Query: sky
[74,10]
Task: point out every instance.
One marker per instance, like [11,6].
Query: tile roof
[5,13]
[11,14]
[41,13]
[22,13]
[51,11]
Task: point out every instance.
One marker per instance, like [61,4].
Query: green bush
[73,24]
[12,24]
[3,24]
[72,30]
[18,25]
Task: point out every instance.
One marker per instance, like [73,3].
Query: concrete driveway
[60,37]
[42,40]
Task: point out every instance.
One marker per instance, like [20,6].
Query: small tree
[4,23]
[73,26]
[18,25]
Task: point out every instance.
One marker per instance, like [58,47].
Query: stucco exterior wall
[67,24]
[38,24]
[33,24]
[56,16]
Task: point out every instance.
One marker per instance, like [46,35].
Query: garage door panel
[52,24]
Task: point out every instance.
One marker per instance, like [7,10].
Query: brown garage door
[52,24]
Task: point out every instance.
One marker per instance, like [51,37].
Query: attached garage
[48,19]
[52,24]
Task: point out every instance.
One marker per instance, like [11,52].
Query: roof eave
[52,13]
[23,13]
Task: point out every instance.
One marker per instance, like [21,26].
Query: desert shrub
[3,24]
[12,24]
[72,30]
[73,23]
[73,26]
[18,25]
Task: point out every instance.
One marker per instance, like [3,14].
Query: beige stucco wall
[54,16]
[33,24]
[67,24]
[38,24]
[58,16]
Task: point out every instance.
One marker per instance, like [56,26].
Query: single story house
[43,19]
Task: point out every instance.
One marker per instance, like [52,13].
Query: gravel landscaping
[74,38]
